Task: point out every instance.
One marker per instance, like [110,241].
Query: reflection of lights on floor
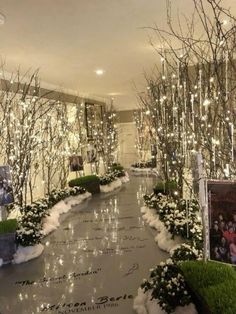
[71,289]
[98,234]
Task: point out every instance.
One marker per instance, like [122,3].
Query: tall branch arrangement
[190,101]
[110,137]
[102,132]
[143,135]
[37,136]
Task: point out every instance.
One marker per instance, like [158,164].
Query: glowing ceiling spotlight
[99,72]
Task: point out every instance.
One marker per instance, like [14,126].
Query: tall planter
[7,246]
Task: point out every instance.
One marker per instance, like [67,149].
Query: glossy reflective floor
[94,263]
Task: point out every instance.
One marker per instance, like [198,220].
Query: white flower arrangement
[165,282]
[180,217]
[30,222]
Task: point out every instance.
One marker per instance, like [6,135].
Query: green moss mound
[8,226]
[213,283]
[165,187]
[90,183]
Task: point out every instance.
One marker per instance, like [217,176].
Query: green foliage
[182,220]
[168,187]
[111,176]
[107,178]
[153,200]
[30,224]
[202,274]
[8,226]
[143,164]
[118,173]
[215,283]
[180,217]
[117,166]
[186,252]
[168,286]
[221,298]
[83,181]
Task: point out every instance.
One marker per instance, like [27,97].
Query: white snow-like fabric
[51,222]
[165,242]
[163,238]
[76,200]
[144,305]
[144,209]
[111,186]
[1,262]
[187,309]
[149,215]
[24,254]
[140,301]
[125,179]
[152,306]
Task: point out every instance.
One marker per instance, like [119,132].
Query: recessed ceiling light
[115,94]
[2,19]
[99,72]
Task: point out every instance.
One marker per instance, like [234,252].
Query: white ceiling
[69,39]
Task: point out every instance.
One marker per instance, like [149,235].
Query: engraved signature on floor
[132,269]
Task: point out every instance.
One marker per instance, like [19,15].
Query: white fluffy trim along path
[144,305]
[24,254]
[163,238]
[125,179]
[115,184]
[52,222]
[111,186]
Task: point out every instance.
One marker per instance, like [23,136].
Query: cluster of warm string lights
[103,133]
[143,140]
[190,104]
[38,135]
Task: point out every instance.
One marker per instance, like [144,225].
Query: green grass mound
[165,187]
[90,183]
[83,180]
[213,283]
[8,226]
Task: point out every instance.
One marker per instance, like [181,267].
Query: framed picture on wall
[92,154]
[76,163]
[93,118]
[6,191]
[222,220]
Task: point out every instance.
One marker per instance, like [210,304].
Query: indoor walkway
[94,263]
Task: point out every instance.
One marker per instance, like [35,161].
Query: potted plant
[7,239]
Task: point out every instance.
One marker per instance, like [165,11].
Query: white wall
[127,153]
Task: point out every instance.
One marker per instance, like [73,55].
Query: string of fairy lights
[143,139]
[103,132]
